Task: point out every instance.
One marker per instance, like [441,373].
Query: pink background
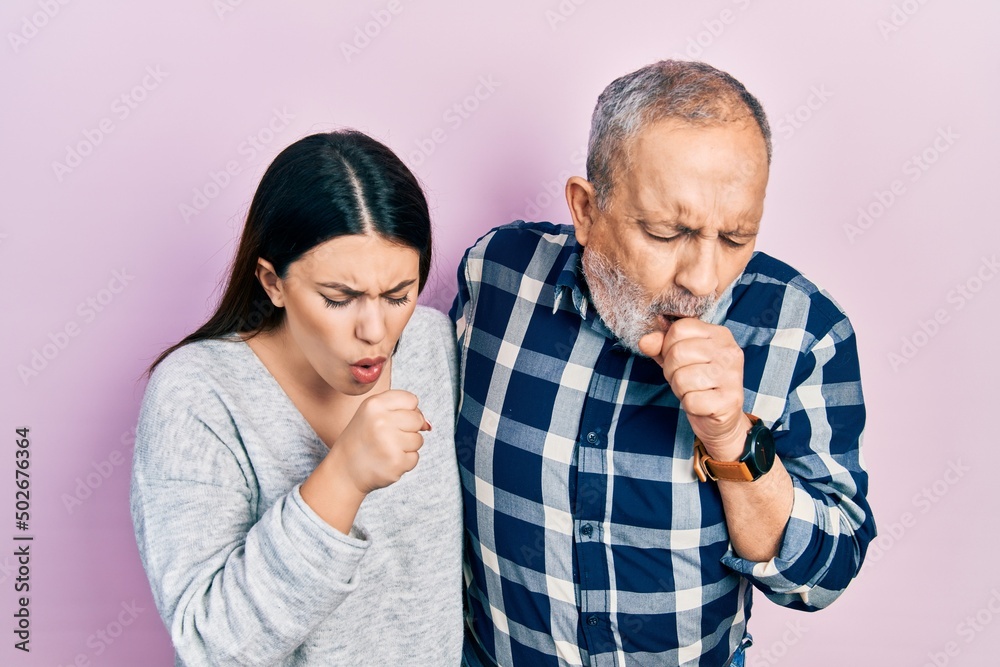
[885,80]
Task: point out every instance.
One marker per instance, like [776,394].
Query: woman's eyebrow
[350,291]
[341,287]
[402,285]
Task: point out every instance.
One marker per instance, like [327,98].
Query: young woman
[295,493]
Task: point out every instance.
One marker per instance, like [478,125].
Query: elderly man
[655,419]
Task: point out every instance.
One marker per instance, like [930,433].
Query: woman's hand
[381,442]
[378,446]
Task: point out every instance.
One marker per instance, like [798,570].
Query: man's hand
[704,367]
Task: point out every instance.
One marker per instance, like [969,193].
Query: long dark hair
[321,187]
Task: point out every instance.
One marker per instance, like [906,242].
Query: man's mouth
[666,319]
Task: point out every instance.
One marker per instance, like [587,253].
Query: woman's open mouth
[367,371]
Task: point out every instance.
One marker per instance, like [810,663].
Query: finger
[652,345]
[688,352]
[688,327]
[409,421]
[410,461]
[693,378]
[710,403]
[395,399]
[410,442]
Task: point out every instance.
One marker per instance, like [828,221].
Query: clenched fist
[704,367]
[381,442]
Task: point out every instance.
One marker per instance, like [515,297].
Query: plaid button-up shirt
[588,538]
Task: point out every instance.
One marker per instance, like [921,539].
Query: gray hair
[693,92]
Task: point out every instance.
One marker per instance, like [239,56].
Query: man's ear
[582,206]
[270,281]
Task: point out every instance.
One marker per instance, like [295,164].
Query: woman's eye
[334,303]
[399,301]
[330,303]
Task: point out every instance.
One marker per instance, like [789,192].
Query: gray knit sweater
[243,572]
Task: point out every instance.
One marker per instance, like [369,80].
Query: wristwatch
[756,461]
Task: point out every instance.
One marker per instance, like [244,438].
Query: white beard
[626,309]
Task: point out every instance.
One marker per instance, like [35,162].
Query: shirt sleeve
[231,590]
[819,443]
[469,277]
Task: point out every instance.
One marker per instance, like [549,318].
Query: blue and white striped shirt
[588,538]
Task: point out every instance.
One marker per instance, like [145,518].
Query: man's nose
[697,269]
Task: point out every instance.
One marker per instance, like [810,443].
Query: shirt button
[592,438]
[592,620]
[587,529]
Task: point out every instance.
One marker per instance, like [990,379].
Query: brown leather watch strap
[707,468]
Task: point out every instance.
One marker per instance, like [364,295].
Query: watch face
[764,457]
[763,447]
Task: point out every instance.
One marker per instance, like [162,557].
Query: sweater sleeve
[232,589]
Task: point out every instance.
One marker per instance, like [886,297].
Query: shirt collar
[571,283]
